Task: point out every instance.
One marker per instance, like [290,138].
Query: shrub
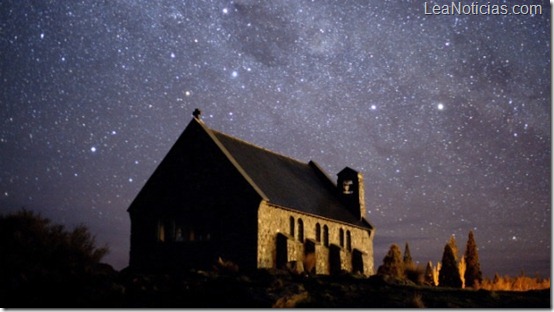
[415,274]
[519,283]
[43,262]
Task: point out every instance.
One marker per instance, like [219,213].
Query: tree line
[452,270]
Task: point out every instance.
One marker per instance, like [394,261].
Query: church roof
[284,181]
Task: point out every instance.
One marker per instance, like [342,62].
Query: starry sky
[447,116]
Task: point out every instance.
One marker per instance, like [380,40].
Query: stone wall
[273,220]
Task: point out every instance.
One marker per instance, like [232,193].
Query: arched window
[300,230]
[170,231]
[190,235]
[161,231]
[318,232]
[291,224]
[341,237]
[326,236]
[348,241]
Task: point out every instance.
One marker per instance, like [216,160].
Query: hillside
[282,289]
[260,289]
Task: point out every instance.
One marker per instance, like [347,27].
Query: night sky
[447,116]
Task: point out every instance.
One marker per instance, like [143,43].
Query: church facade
[216,196]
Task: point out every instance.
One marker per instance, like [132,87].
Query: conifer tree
[392,263]
[412,272]
[429,279]
[408,262]
[473,276]
[453,246]
[449,276]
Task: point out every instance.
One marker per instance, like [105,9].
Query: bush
[415,274]
[519,283]
[43,263]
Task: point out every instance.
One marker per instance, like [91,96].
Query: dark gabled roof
[287,182]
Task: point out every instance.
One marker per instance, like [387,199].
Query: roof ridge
[260,147]
[321,173]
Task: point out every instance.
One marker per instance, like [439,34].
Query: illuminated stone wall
[273,220]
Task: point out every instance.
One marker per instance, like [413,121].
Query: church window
[318,232]
[300,230]
[190,235]
[348,241]
[161,231]
[347,187]
[325,236]
[179,235]
[341,237]
[291,224]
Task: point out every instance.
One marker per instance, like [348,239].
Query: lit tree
[436,270]
[449,276]
[473,276]
[392,263]
[462,270]
[452,244]
[429,278]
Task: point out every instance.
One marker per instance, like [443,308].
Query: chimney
[350,185]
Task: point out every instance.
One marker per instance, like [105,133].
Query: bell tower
[350,186]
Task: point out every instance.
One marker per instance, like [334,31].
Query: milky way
[447,116]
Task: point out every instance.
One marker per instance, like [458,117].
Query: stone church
[216,196]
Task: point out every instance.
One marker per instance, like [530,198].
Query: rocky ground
[266,289]
[260,289]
